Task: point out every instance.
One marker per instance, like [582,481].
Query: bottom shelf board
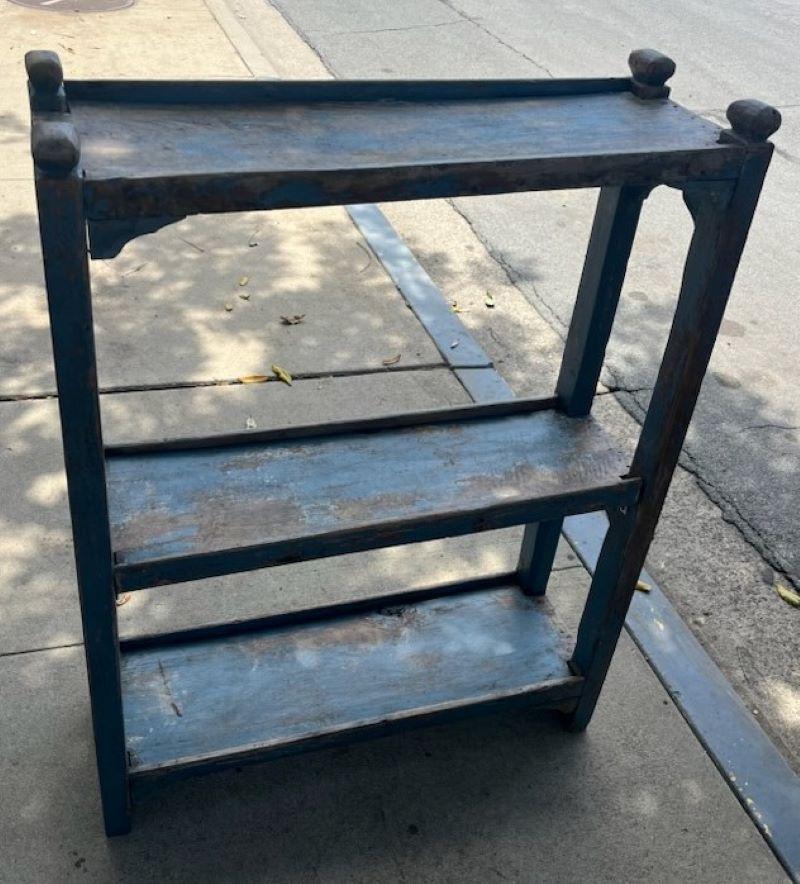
[289,688]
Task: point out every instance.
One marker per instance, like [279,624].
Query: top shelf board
[160,149]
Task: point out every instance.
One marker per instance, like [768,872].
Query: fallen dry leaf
[455,307]
[123,599]
[790,596]
[293,320]
[642,586]
[392,360]
[489,300]
[243,280]
[282,375]
[250,424]
[228,306]
[454,345]
[245,296]
[254,379]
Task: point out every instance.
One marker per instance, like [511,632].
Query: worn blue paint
[63,233]
[615,222]
[239,693]
[178,503]
[318,136]
[213,508]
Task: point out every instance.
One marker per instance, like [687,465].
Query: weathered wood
[55,146]
[186,140]
[399,421]
[63,235]
[615,222]
[614,228]
[257,191]
[130,157]
[752,120]
[291,686]
[650,70]
[722,213]
[180,515]
[107,238]
[537,554]
[314,614]
[45,81]
[238,155]
[211,92]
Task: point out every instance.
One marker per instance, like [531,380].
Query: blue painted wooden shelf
[116,160]
[182,510]
[282,689]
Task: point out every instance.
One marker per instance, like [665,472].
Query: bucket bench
[117,159]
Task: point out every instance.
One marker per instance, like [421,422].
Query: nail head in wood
[651,70]
[55,147]
[753,120]
[44,70]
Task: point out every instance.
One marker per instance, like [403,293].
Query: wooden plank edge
[120,197]
[147,571]
[316,613]
[561,693]
[291,91]
[379,424]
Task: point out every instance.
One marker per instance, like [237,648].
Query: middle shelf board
[288,688]
[182,513]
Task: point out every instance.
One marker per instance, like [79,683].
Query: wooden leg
[613,231]
[63,233]
[722,212]
[536,557]
[615,221]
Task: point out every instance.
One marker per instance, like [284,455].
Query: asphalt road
[745,439]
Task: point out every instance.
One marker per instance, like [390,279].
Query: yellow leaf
[123,599]
[790,596]
[393,360]
[254,379]
[244,280]
[282,375]
[489,300]
[228,306]
[642,586]
[455,306]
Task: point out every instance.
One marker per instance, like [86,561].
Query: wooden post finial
[753,120]
[55,146]
[46,79]
[650,70]
[44,70]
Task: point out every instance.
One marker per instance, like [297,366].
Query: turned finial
[55,146]
[753,120]
[44,70]
[47,80]
[650,70]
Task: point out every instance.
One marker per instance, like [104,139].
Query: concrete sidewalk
[513,797]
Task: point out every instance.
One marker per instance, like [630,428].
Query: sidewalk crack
[477,23]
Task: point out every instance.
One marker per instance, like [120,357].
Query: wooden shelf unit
[114,160]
